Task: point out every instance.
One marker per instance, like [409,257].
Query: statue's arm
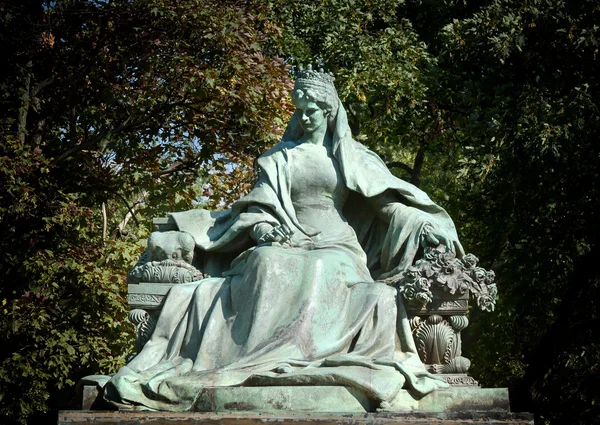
[388,205]
[261,228]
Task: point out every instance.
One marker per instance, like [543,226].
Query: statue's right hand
[281,234]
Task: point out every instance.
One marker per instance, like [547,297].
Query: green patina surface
[346,399]
[295,296]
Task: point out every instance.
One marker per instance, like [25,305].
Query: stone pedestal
[437,330]
[145,299]
[336,400]
[80,417]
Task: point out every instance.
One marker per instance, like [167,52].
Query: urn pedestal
[436,328]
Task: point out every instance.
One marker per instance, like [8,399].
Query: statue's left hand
[432,236]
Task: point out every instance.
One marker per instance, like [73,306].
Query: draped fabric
[305,314]
[390,248]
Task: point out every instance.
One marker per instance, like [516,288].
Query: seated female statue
[293,299]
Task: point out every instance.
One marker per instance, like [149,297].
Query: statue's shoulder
[278,149]
[362,149]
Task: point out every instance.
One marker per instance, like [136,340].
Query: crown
[309,77]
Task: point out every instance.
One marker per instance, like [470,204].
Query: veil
[367,176]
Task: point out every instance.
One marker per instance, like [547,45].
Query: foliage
[519,91]
[62,313]
[496,105]
[524,90]
[116,112]
[113,113]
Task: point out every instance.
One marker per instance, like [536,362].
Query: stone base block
[320,406]
[80,417]
[465,399]
[345,400]
[334,399]
[282,399]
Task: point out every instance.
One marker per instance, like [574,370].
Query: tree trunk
[24,109]
[415,175]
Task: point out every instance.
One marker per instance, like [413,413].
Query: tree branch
[24,109]
[41,86]
[402,165]
[171,169]
[104,221]
[415,176]
[126,125]
[129,208]
[121,227]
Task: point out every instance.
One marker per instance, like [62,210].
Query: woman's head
[323,100]
[317,87]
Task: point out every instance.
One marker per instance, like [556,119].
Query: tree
[113,114]
[495,103]
[119,111]
[522,96]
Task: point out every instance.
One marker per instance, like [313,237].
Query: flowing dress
[304,313]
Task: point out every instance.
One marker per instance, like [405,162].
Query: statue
[293,282]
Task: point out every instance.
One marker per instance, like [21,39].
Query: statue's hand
[432,236]
[281,234]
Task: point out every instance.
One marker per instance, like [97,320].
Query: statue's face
[311,115]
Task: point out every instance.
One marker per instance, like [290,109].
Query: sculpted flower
[447,272]
[490,276]
[424,297]
[444,259]
[427,270]
[478,274]
[412,273]
[446,263]
[408,291]
[424,283]
[470,261]
[449,269]
[485,302]
[449,282]
[431,254]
